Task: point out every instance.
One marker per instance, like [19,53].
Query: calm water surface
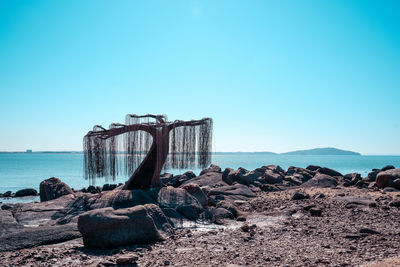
[27,170]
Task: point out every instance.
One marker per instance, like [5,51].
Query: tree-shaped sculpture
[121,148]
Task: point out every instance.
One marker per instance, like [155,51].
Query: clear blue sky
[274,75]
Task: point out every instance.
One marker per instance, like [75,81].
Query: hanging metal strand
[122,147]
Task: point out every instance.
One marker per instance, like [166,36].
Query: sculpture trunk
[148,172]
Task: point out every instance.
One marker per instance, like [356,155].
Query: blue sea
[27,170]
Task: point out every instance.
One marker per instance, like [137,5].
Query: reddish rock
[53,188]
[385,178]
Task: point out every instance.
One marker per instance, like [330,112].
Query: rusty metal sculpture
[178,144]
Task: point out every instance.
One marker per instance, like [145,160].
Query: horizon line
[213,152]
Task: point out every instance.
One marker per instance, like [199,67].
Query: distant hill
[322,151]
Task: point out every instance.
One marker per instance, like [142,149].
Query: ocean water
[27,170]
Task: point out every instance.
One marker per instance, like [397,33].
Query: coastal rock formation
[195,190]
[180,200]
[53,188]
[212,168]
[386,178]
[232,192]
[321,180]
[109,228]
[8,223]
[37,236]
[211,179]
[329,172]
[26,192]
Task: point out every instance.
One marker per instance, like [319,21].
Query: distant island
[322,151]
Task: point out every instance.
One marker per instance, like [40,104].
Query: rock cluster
[111,217]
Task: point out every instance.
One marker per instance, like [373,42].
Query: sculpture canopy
[122,148]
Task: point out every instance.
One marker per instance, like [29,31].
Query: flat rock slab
[34,214]
[36,236]
[232,190]
[207,179]
[8,223]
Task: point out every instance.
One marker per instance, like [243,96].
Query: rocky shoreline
[312,216]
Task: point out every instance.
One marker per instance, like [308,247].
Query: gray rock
[300,195]
[119,199]
[396,183]
[313,167]
[322,181]
[219,215]
[233,190]
[329,172]
[7,194]
[196,191]
[53,188]
[181,200]
[271,177]
[26,192]
[275,168]
[189,211]
[315,212]
[368,231]
[372,175]
[211,179]
[395,203]
[109,228]
[385,178]
[8,223]
[191,174]
[388,167]
[109,187]
[241,175]
[212,168]
[352,178]
[36,236]
[390,189]
[303,174]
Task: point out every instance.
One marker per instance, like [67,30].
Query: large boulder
[180,200]
[196,191]
[321,180]
[241,176]
[26,192]
[271,177]
[53,188]
[109,228]
[385,178]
